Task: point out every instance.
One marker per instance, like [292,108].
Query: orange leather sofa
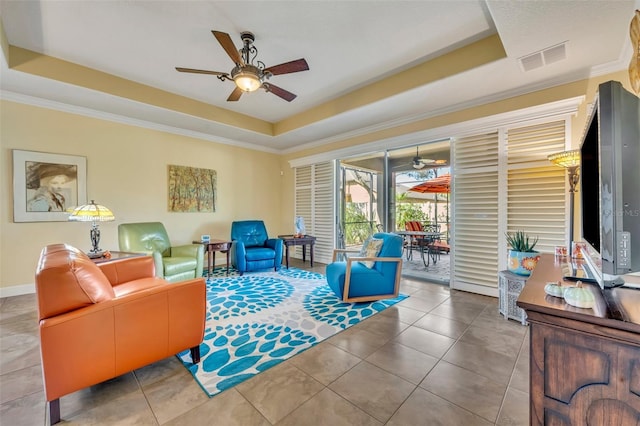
[100,321]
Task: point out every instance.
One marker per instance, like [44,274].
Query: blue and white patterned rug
[258,320]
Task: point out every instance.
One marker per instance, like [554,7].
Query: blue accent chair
[252,249]
[354,282]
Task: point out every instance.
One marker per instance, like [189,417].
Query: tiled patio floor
[437,273]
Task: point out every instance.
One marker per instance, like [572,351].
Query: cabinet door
[582,379]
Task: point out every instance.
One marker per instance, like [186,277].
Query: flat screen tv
[610,185]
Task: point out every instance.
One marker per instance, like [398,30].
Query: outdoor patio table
[428,237]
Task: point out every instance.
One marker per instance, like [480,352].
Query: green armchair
[174,264]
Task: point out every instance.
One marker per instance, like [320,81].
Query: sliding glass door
[361,205]
[376,195]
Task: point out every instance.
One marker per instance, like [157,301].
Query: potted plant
[522,256]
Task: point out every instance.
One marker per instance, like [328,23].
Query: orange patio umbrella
[437,185]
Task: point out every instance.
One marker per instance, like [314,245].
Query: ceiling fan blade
[288,67]
[227,44]
[278,91]
[235,95]
[191,70]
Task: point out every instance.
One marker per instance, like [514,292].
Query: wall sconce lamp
[570,160]
[93,213]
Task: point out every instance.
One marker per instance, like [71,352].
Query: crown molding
[496,97]
[121,119]
[553,110]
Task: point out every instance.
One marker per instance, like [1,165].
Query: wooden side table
[304,241]
[509,287]
[211,247]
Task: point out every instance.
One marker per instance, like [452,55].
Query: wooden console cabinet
[584,363]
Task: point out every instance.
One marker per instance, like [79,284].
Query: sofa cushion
[370,248]
[144,237]
[66,279]
[259,253]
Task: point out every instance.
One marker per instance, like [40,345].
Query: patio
[437,273]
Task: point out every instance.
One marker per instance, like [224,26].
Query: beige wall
[127,172]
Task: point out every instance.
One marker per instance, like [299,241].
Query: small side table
[211,247]
[304,241]
[509,287]
[115,255]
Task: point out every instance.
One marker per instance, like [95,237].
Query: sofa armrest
[239,255]
[188,250]
[277,245]
[93,344]
[342,251]
[273,243]
[350,260]
[191,250]
[129,269]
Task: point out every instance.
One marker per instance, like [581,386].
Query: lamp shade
[91,213]
[566,159]
[247,78]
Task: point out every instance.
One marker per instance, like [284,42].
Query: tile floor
[440,357]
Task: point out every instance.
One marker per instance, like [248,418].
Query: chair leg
[195,354]
[425,262]
[54,411]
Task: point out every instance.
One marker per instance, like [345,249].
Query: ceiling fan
[248,74]
[419,163]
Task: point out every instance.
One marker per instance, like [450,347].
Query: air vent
[554,54]
[544,57]
[532,62]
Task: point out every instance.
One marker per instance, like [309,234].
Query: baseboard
[17,290]
[475,288]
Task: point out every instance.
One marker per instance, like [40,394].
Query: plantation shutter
[503,182]
[314,201]
[475,217]
[536,188]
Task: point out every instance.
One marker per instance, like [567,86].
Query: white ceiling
[348,45]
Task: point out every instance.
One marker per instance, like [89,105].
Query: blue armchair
[353,281]
[252,249]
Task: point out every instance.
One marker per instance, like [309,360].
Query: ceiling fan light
[418,165]
[247,78]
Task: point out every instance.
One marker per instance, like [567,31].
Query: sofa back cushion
[391,247]
[252,233]
[66,280]
[144,237]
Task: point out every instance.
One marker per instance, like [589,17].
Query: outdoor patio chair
[425,244]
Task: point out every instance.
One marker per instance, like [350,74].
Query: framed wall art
[46,185]
[192,189]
